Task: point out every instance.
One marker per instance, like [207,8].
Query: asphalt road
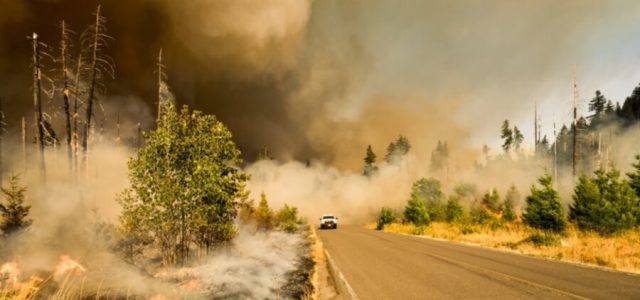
[378,265]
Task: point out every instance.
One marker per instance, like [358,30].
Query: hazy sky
[322,79]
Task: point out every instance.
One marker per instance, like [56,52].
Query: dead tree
[37,98]
[65,44]
[96,39]
[24,144]
[76,99]
[163,90]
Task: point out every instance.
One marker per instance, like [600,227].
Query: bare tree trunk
[37,100]
[92,85]
[24,144]
[65,89]
[75,113]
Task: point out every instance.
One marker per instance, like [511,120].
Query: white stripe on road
[352,294]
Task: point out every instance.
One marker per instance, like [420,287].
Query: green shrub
[415,212]
[430,192]
[287,219]
[544,210]
[491,200]
[386,217]
[542,240]
[454,211]
[508,213]
[480,216]
[419,230]
[604,203]
[264,214]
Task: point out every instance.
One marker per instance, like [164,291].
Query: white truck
[328,221]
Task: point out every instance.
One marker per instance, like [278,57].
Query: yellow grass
[621,252]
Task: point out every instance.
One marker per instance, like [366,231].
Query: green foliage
[542,240]
[386,217]
[454,211]
[479,215]
[183,185]
[544,208]
[491,201]
[264,214]
[507,136]
[13,212]
[287,218]
[598,105]
[466,191]
[508,213]
[430,192]
[518,138]
[398,149]
[634,177]
[604,203]
[416,212]
[370,167]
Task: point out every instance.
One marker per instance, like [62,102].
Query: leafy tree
[370,167]
[287,218]
[454,211]
[513,196]
[416,212]
[518,138]
[604,203]
[386,217]
[544,208]
[491,201]
[507,136]
[13,211]
[184,185]
[264,214]
[597,105]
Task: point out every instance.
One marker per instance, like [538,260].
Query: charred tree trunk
[75,113]
[37,100]
[24,144]
[64,48]
[93,82]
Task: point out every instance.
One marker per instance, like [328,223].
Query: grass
[620,252]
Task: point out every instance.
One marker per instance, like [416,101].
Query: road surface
[378,265]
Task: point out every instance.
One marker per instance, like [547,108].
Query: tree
[430,192]
[507,136]
[597,105]
[415,212]
[402,145]
[13,210]
[264,153]
[184,185]
[398,149]
[518,138]
[391,152]
[604,203]
[454,211]
[491,201]
[512,196]
[439,157]
[634,177]
[386,217]
[264,214]
[370,167]
[287,218]
[544,208]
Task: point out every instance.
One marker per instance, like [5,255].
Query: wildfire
[66,265]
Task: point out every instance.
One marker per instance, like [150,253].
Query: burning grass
[620,252]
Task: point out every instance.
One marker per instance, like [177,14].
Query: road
[378,265]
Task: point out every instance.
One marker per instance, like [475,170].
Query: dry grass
[621,252]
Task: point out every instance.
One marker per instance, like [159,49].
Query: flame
[66,265]
[191,285]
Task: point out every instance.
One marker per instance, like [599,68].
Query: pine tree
[604,203]
[13,212]
[597,105]
[507,136]
[454,211]
[390,157]
[491,200]
[439,157]
[634,177]
[264,214]
[370,167]
[264,154]
[544,208]
[512,197]
[518,138]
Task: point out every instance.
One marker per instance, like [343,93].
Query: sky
[321,80]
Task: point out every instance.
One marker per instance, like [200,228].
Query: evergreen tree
[597,105]
[507,136]
[491,201]
[264,214]
[439,157]
[634,177]
[264,154]
[402,145]
[630,110]
[610,109]
[605,203]
[544,208]
[518,138]
[386,217]
[390,157]
[429,191]
[454,211]
[512,197]
[370,167]
[415,212]
[13,212]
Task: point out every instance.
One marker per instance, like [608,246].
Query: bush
[287,219]
[508,213]
[13,212]
[264,214]
[454,211]
[480,216]
[491,200]
[415,212]
[544,210]
[542,240]
[419,230]
[604,203]
[430,192]
[385,217]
